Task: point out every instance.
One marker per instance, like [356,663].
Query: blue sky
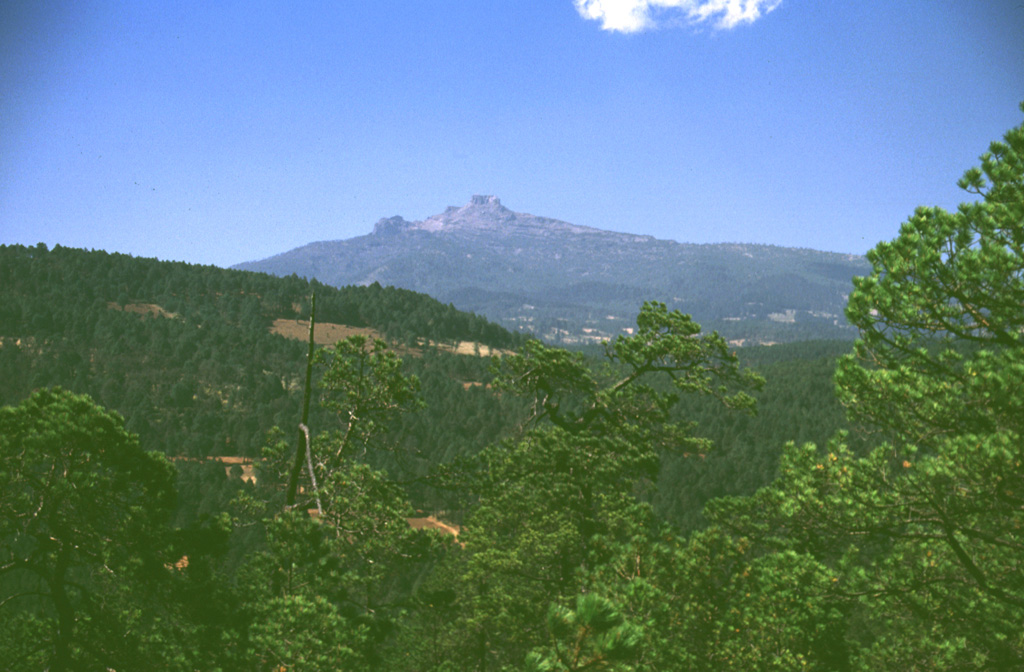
[230,131]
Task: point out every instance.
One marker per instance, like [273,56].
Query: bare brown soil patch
[432,523]
[328,333]
[324,333]
[145,309]
[467,348]
[474,348]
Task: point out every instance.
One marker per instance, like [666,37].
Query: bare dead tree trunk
[302,450]
[309,466]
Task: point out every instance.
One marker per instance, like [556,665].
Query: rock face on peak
[486,215]
[485,200]
[572,283]
[480,212]
[389,226]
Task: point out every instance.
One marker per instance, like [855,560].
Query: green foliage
[735,609]
[798,403]
[364,383]
[209,378]
[904,556]
[327,579]
[942,346]
[942,328]
[20,641]
[82,519]
[206,377]
[320,595]
[305,633]
[566,393]
[554,501]
[923,535]
[593,636]
[924,552]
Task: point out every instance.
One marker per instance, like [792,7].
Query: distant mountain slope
[573,283]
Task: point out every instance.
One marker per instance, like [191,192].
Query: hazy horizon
[229,133]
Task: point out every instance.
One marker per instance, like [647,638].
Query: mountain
[572,284]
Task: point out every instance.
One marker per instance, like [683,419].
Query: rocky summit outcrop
[388,226]
[485,215]
[569,282]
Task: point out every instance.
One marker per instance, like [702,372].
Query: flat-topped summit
[481,212]
[484,203]
[485,213]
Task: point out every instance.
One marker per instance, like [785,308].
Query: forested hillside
[889,540]
[188,356]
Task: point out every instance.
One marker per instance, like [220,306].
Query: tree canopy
[923,537]
[940,316]
[82,508]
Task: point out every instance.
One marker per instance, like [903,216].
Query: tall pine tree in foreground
[923,538]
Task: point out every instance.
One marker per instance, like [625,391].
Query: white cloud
[634,16]
[624,16]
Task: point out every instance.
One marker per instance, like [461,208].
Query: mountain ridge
[485,213]
[572,283]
